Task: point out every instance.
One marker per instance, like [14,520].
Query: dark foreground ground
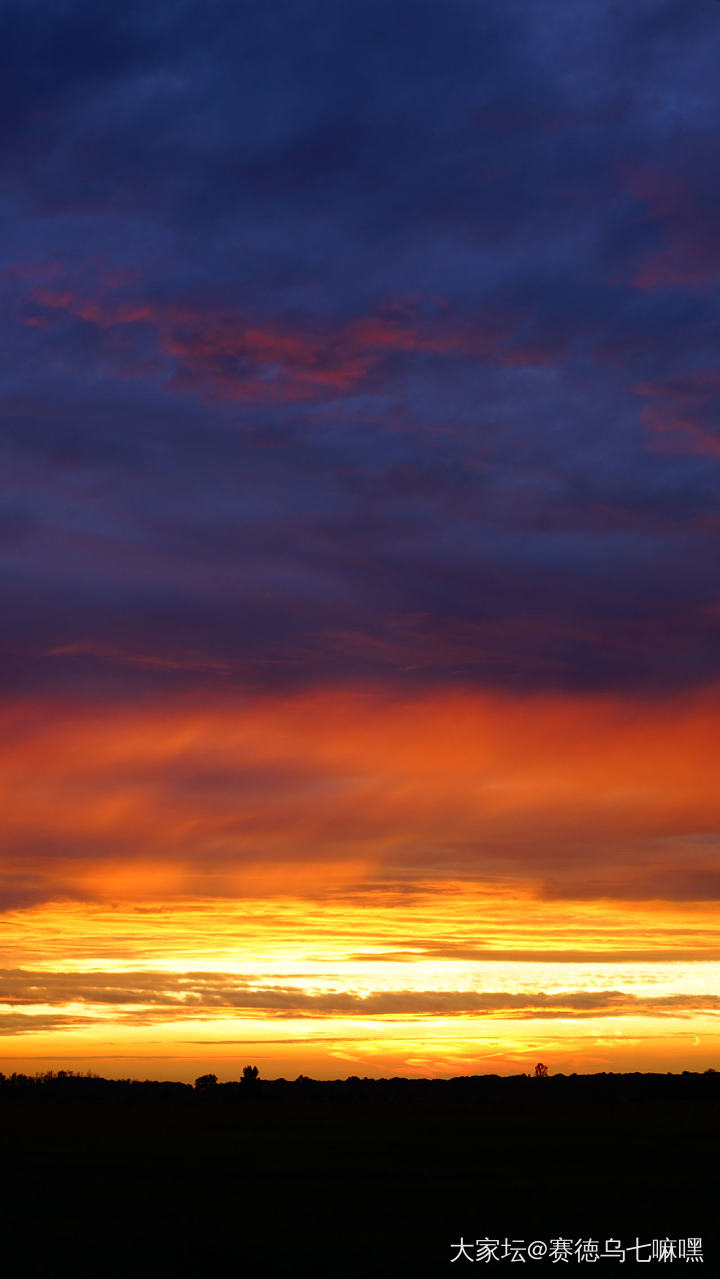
[368,1178]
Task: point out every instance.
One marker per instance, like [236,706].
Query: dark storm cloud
[346,342]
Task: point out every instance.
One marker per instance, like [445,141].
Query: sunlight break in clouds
[398,877]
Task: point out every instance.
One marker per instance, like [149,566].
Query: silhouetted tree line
[69,1084]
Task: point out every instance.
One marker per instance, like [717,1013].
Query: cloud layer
[145,998]
[359,533]
[570,797]
[369,344]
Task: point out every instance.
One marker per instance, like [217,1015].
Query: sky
[359,531]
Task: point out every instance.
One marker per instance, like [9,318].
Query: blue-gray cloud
[348,343]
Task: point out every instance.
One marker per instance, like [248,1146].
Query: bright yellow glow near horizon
[346,882]
[442,980]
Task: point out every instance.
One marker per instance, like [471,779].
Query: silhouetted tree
[251,1074]
[541,1071]
[203,1082]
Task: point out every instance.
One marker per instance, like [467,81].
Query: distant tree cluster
[479,1089]
[204,1082]
[250,1077]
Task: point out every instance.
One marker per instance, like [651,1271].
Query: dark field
[363,1178]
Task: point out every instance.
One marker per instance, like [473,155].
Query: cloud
[349,387]
[31,1023]
[681,203]
[214,348]
[153,996]
[359,422]
[683,410]
[576,797]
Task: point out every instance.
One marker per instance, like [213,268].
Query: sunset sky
[359,537]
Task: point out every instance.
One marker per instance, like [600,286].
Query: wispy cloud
[157,996]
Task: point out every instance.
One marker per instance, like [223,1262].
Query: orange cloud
[578,797]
